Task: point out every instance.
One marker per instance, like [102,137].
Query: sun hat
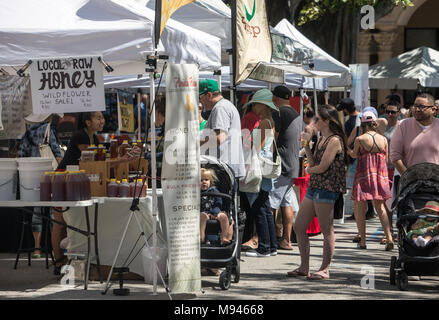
[263,96]
[38,118]
[207,85]
[431,206]
[368,116]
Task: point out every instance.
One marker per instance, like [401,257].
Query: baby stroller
[213,254]
[417,185]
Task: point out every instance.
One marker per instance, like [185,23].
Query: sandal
[59,264]
[357,238]
[359,246]
[318,276]
[383,241]
[249,245]
[36,255]
[389,246]
[287,247]
[297,273]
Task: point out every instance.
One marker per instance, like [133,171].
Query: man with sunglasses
[393,111]
[415,139]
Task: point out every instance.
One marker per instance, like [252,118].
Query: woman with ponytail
[327,169]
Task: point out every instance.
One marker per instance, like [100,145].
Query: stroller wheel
[225,280]
[402,281]
[392,272]
[237,272]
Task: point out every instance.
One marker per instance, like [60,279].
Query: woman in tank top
[371,181]
[327,182]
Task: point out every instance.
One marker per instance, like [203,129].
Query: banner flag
[181,178]
[63,85]
[163,11]
[360,85]
[253,40]
[126,107]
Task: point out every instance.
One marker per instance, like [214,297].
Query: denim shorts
[321,195]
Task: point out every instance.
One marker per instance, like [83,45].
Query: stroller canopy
[420,175]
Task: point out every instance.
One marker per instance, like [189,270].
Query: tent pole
[153,177]
[315,94]
[232,82]
[301,109]
[139,117]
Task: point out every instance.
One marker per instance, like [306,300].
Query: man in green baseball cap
[223,127]
[208,85]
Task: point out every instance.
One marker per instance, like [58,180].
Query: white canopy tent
[418,67]
[292,81]
[119,30]
[322,60]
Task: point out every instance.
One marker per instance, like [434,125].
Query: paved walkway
[261,278]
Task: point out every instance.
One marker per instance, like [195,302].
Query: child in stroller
[210,208]
[424,229]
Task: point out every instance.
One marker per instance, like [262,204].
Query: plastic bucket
[31,170]
[148,263]
[8,179]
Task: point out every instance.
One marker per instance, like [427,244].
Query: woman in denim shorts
[327,169]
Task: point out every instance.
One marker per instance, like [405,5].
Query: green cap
[263,96]
[208,85]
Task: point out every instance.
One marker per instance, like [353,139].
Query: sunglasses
[391,112]
[421,106]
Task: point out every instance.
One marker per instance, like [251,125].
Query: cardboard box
[100,173]
[97,172]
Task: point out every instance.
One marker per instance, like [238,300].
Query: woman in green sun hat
[262,137]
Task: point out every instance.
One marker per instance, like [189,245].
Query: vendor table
[114,214]
[302,183]
[72,207]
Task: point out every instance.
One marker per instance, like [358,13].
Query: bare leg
[325,215]
[304,217]
[277,222]
[287,220]
[203,222]
[380,208]
[224,223]
[37,239]
[360,208]
[59,232]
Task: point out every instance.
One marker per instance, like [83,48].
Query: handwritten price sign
[74,84]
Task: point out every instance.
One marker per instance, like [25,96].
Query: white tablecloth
[113,216]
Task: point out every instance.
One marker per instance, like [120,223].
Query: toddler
[423,230]
[211,208]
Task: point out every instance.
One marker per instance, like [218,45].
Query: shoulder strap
[374,142]
[327,139]
[274,139]
[47,134]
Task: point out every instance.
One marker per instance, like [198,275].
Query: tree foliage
[334,25]
[314,9]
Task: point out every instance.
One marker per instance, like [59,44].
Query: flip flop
[296,273]
[317,276]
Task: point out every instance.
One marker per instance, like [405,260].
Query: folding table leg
[23,223]
[87,268]
[96,242]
